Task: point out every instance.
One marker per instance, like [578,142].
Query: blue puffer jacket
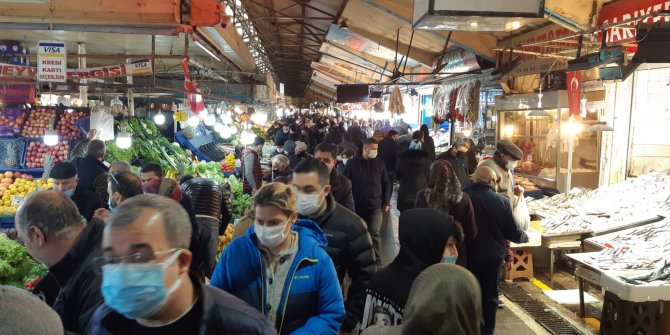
[311,302]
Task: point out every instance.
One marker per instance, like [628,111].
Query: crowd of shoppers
[306,257]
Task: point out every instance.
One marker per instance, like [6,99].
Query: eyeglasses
[116,183]
[136,258]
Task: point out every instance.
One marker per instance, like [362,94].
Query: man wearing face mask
[371,189]
[349,243]
[65,180]
[146,284]
[120,186]
[455,156]
[56,235]
[339,184]
[503,163]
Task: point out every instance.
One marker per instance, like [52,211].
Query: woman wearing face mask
[444,193]
[281,268]
[427,236]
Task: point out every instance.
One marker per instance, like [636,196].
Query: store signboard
[51,62]
[344,56]
[539,65]
[623,10]
[538,40]
[349,70]
[335,74]
[136,68]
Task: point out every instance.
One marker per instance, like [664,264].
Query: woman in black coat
[412,173]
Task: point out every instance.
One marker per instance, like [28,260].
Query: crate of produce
[12,153]
[11,121]
[66,127]
[39,121]
[36,152]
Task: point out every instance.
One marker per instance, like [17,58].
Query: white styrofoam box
[635,293]
[534,239]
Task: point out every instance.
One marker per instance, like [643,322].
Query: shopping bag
[521,214]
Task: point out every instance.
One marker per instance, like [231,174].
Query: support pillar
[83,89]
[131,97]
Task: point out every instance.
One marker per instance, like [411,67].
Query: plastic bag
[521,214]
[103,122]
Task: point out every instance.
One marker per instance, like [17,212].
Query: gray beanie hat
[22,313]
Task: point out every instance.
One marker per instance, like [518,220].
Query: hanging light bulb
[539,99]
[219,127]
[50,137]
[159,118]
[210,120]
[193,121]
[467,132]
[203,114]
[124,140]
[225,117]
[583,106]
[247,137]
[226,132]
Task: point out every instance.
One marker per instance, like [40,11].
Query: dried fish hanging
[472,114]
[396,106]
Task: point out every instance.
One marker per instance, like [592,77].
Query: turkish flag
[192,93]
[574,81]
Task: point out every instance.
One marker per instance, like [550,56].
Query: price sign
[17,200]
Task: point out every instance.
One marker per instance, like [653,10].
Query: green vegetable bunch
[16,266]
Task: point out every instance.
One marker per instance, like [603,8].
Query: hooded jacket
[92,175]
[388,152]
[459,165]
[222,313]
[444,299]
[350,248]
[412,172]
[495,224]
[423,235]
[311,302]
[73,281]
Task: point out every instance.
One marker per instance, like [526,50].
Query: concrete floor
[511,320]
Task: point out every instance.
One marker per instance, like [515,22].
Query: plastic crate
[6,222]
[10,115]
[635,293]
[30,116]
[19,153]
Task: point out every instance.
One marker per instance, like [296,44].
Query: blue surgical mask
[69,193]
[137,291]
[450,259]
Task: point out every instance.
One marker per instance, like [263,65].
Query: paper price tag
[17,200]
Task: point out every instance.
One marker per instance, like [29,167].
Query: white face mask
[344,160]
[339,158]
[308,204]
[271,236]
[372,154]
[512,165]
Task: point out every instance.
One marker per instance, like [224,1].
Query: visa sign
[51,62]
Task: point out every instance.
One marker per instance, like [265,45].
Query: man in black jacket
[495,226]
[349,243]
[458,162]
[370,187]
[56,235]
[154,232]
[340,186]
[388,152]
[65,180]
[92,170]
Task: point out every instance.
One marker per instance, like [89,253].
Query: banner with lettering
[136,68]
[623,10]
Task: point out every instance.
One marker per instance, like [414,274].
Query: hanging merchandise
[102,122]
[396,106]
[117,108]
[193,96]
[472,111]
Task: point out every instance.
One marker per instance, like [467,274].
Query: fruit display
[224,240]
[66,128]
[16,184]
[11,152]
[228,165]
[37,153]
[39,121]
[11,121]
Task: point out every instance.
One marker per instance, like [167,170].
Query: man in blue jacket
[495,226]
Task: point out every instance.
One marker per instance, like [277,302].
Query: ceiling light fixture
[474,24]
[344,25]
[159,118]
[207,51]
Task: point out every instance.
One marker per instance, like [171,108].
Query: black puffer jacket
[412,172]
[369,182]
[222,313]
[459,165]
[341,190]
[73,281]
[350,248]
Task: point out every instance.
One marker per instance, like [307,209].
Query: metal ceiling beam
[304,4]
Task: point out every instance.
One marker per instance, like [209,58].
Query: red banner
[136,68]
[193,96]
[623,10]
[574,81]
[17,93]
